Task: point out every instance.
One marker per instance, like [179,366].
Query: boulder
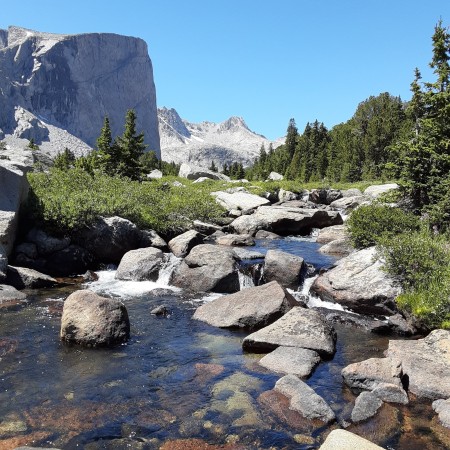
[425,363]
[110,238]
[291,360]
[299,327]
[10,294]
[70,261]
[192,172]
[377,190]
[275,176]
[304,400]
[182,244]
[263,234]
[250,308]
[245,254]
[201,179]
[371,373]
[391,393]
[442,408]
[345,440]
[21,277]
[324,196]
[28,249]
[329,234]
[352,192]
[339,247]
[150,238]
[348,203]
[358,283]
[46,244]
[286,196]
[239,200]
[208,268]
[206,229]
[366,406]
[285,220]
[94,321]
[235,239]
[285,268]
[142,264]
[155,174]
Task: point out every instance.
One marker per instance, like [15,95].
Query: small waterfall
[245,281]
[171,262]
[313,300]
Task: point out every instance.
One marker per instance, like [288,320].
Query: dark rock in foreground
[21,278]
[94,321]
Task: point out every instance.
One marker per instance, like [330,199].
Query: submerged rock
[345,440]
[250,308]
[94,321]
[140,265]
[366,406]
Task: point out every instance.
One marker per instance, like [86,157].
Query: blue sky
[264,60]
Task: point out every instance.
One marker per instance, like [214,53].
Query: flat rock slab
[250,308]
[304,400]
[300,327]
[291,360]
[426,362]
[366,406]
[372,372]
[345,440]
[359,283]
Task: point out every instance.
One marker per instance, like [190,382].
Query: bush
[369,224]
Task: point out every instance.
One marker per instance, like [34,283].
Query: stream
[176,378]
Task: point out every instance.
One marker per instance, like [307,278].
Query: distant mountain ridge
[204,142]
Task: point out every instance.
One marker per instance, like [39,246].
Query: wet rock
[250,308]
[160,310]
[150,238]
[7,346]
[304,400]
[116,444]
[181,245]
[236,239]
[338,247]
[285,220]
[3,264]
[21,442]
[140,265]
[376,190]
[10,294]
[243,254]
[402,326]
[425,363]
[291,360]
[367,405]
[287,269]
[195,444]
[46,244]
[90,276]
[324,196]
[208,268]
[94,321]
[70,261]
[329,234]
[345,440]
[263,234]
[207,371]
[442,408]
[391,393]
[359,283]
[299,327]
[110,238]
[371,373]
[21,278]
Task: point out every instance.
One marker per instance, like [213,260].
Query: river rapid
[176,378]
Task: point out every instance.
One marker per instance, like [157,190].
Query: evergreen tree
[291,138]
[213,167]
[64,160]
[108,153]
[149,161]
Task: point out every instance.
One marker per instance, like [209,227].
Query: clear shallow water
[175,378]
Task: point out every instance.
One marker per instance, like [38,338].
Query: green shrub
[369,224]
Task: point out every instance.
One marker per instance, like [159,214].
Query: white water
[245,281]
[314,301]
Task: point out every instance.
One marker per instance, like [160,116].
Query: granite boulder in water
[140,265]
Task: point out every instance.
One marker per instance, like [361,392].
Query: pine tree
[213,167]
[107,152]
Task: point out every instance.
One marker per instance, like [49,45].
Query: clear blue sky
[264,60]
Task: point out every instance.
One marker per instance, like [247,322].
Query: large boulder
[250,308]
[425,362]
[366,406]
[300,327]
[329,234]
[182,244]
[21,277]
[359,283]
[150,238]
[208,268]
[110,238]
[345,440]
[242,201]
[10,294]
[70,261]
[192,172]
[376,190]
[94,321]
[304,400]
[338,247]
[349,203]
[140,264]
[275,176]
[285,268]
[46,244]
[285,220]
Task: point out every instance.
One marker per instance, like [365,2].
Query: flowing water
[175,379]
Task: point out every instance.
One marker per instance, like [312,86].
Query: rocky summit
[56,89]
[205,142]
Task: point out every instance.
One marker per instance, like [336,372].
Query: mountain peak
[233,122]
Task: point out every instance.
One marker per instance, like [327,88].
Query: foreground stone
[250,308]
[285,268]
[367,405]
[208,268]
[291,360]
[140,265]
[21,278]
[426,362]
[304,400]
[285,220]
[299,327]
[344,440]
[94,321]
[242,201]
[182,244]
[359,283]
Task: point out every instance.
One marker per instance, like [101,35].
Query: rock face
[304,400]
[250,308]
[284,267]
[300,327]
[140,264]
[285,220]
[358,283]
[94,321]
[72,82]
[208,268]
